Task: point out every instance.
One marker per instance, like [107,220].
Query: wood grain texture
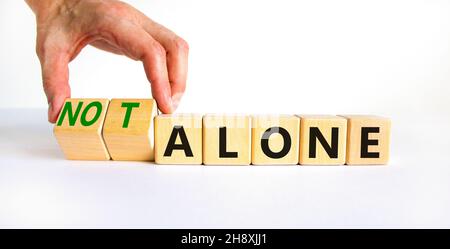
[128,129]
[284,151]
[78,141]
[236,140]
[376,152]
[324,124]
[192,128]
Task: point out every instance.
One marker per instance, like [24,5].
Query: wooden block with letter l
[128,129]
[226,140]
[368,139]
[322,140]
[78,129]
[178,139]
[275,139]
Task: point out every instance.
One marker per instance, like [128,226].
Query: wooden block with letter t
[128,129]
[226,140]
[368,139]
[322,140]
[178,139]
[78,129]
[275,139]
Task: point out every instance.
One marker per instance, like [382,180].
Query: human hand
[64,27]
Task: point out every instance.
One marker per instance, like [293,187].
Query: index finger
[137,44]
[177,56]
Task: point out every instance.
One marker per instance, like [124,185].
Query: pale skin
[65,27]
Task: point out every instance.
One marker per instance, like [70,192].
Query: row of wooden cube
[122,129]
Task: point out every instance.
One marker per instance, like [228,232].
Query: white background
[377,57]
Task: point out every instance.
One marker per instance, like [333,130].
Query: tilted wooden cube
[275,139]
[78,129]
[128,129]
[368,139]
[322,140]
[226,140]
[178,139]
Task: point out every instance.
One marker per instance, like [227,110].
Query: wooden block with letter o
[368,139]
[275,139]
[178,139]
[322,140]
[226,140]
[78,129]
[128,129]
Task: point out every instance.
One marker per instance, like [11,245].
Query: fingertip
[164,102]
[54,108]
[166,108]
[51,114]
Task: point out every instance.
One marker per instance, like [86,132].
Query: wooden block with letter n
[368,139]
[226,140]
[78,129]
[128,129]
[322,140]
[275,139]
[178,139]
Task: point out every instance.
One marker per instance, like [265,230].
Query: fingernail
[176,100]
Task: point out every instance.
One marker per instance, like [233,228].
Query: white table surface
[39,188]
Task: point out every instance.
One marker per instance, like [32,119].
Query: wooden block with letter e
[128,129]
[226,140]
[178,139]
[78,129]
[322,140]
[275,139]
[368,139]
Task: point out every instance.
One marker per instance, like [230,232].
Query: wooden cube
[322,140]
[368,139]
[275,140]
[226,140]
[178,139]
[79,129]
[128,129]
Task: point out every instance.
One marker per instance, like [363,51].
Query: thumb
[55,77]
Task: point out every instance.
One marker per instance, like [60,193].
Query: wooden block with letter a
[78,129]
[226,140]
[322,140]
[178,139]
[128,129]
[368,139]
[275,139]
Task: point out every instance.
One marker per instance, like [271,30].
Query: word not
[130,129]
